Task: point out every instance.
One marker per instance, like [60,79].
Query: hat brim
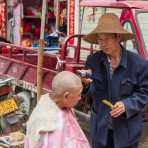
[93,36]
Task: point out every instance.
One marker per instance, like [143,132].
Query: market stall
[32,22]
[22,19]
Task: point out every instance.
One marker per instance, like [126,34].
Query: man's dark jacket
[128,83]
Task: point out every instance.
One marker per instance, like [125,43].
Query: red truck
[22,66]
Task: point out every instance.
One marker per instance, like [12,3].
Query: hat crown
[109,23]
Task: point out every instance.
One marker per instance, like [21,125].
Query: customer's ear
[66,94]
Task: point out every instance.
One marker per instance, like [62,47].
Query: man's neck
[115,58]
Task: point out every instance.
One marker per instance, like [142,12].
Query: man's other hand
[118,109]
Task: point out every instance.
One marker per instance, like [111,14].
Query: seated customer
[52,123]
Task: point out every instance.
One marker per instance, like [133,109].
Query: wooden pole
[41,52]
[57,15]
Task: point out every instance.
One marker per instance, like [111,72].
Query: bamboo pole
[41,52]
[57,15]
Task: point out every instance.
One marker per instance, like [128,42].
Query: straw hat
[108,23]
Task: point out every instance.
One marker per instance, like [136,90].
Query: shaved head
[65,81]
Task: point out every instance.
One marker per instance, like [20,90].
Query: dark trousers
[133,145]
[110,141]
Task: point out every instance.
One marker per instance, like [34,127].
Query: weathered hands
[86,80]
[83,75]
[118,109]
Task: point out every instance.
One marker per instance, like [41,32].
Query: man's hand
[86,81]
[84,73]
[118,109]
[84,76]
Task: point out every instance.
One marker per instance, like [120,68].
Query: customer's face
[108,43]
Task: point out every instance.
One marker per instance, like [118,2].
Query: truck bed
[22,66]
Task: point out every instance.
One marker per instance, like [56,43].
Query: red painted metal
[23,67]
[6,89]
[17,70]
[129,15]
[114,4]
[48,79]
[4,65]
[77,51]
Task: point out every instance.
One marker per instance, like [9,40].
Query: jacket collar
[123,61]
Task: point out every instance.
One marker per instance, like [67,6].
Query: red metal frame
[77,51]
[130,16]
[23,66]
[6,89]
[115,4]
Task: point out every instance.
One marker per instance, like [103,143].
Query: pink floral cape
[67,134]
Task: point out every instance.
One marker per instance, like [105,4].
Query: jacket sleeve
[136,103]
[88,64]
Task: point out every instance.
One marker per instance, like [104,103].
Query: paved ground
[144,139]
[144,144]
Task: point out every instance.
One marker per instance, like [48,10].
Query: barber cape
[51,127]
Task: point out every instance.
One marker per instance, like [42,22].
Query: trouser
[110,142]
[133,146]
